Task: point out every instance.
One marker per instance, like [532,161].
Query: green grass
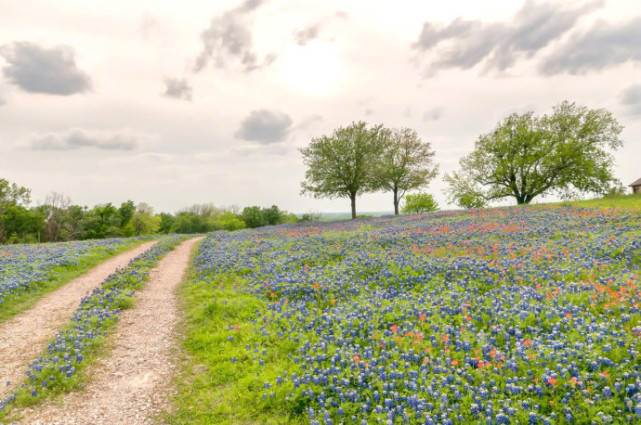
[61,275]
[218,382]
[127,283]
[627,202]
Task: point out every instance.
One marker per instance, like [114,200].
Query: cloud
[433,114]
[601,46]
[78,139]
[467,43]
[38,69]
[177,89]
[307,34]
[312,31]
[265,127]
[229,38]
[631,99]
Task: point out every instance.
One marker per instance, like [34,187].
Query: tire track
[131,385]
[25,336]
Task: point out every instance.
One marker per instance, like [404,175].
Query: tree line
[567,153]
[58,219]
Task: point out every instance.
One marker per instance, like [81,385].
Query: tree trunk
[352,198]
[396,201]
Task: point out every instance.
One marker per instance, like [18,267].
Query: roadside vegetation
[57,219]
[28,272]
[61,367]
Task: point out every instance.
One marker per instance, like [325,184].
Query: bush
[419,203]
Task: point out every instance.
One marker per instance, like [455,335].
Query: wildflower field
[59,369]
[502,316]
[28,271]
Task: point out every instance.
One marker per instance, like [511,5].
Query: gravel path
[26,335]
[131,385]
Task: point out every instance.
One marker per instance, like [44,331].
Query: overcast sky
[180,103]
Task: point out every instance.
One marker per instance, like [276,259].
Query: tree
[144,222]
[166,223]
[568,151]
[227,220]
[102,221]
[273,215]
[54,208]
[15,218]
[126,212]
[20,224]
[254,217]
[405,164]
[342,165]
[12,194]
[419,203]
[464,193]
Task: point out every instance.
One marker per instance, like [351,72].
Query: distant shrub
[419,203]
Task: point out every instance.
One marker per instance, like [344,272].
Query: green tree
[12,194]
[227,220]
[126,212]
[273,215]
[101,221]
[342,165]
[406,163]
[568,151]
[16,221]
[189,222]
[144,222]
[72,219]
[166,223]
[419,203]
[20,224]
[254,217]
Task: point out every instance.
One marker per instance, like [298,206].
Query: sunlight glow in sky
[175,104]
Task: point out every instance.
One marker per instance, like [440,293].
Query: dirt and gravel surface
[131,384]
[25,336]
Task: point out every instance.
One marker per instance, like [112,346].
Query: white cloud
[38,69]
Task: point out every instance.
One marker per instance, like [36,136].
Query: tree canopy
[566,152]
[406,163]
[57,219]
[342,164]
[12,194]
[419,203]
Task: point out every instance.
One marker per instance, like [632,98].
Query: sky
[180,103]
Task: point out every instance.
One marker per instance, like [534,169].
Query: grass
[61,275]
[117,293]
[237,344]
[218,382]
[624,202]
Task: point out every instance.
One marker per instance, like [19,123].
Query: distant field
[507,315]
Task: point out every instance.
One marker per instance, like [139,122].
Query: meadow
[29,271]
[500,316]
[60,368]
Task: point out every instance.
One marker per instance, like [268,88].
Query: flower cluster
[57,368]
[24,266]
[504,316]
